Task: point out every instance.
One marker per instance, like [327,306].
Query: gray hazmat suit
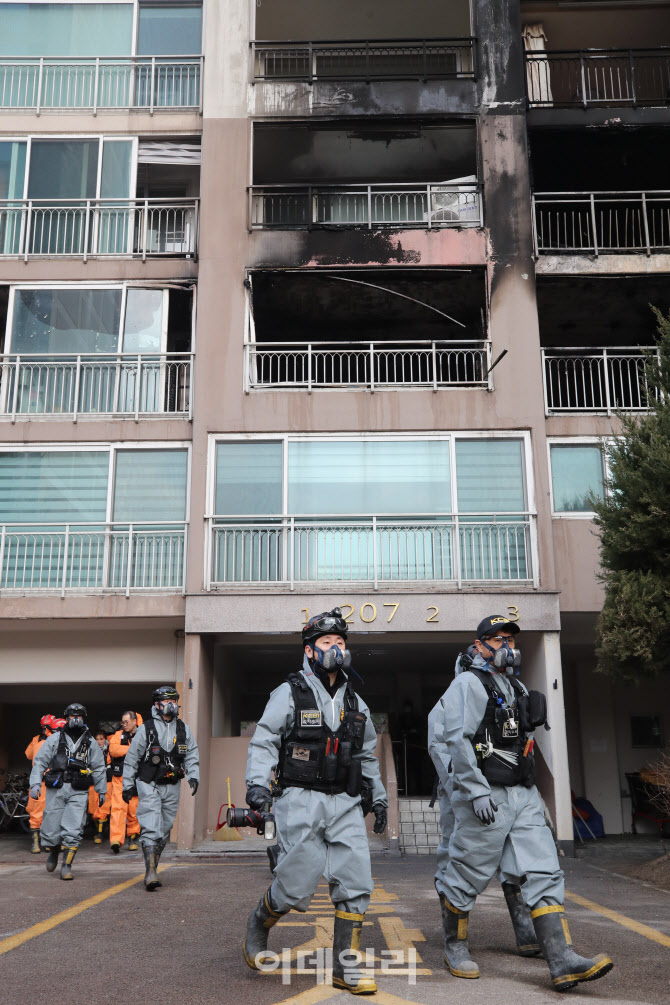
[64,809]
[518,843]
[158,804]
[441,758]
[318,834]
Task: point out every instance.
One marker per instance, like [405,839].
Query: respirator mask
[333,658]
[505,658]
[168,709]
[75,725]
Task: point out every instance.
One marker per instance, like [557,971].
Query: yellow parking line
[621,919]
[316,994]
[57,919]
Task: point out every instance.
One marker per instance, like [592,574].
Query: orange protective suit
[124,815]
[36,806]
[97,811]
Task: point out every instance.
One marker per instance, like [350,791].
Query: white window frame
[577,441]
[451,437]
[112,447]
[135,4]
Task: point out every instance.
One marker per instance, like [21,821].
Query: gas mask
[168,709]
[75,725]
[330,659]
[504,658]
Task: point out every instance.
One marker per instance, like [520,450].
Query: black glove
[128,794]
[380,818]
[485,809]
[258,796]
[193,782]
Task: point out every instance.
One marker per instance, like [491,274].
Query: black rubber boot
[35,850]
[52,858]
[522,922]
[455,935]
[151,880]
[346,940]
[566,967]
[160,848]
[68,859]
[262,919]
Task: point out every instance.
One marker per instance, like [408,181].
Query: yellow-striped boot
[98,834]
[566,967]
[68,859]
[36,842]
[346,955]
[455,937]
[262,919]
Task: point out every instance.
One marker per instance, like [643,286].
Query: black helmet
[75,709]
[167,692]
[328,623]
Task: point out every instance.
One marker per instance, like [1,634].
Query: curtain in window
[490,481]
[337,478]
[49,488]
[538,75]
[576,471]
[63,321]
[149,488]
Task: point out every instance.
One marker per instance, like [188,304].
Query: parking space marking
[621,919]
[71,912]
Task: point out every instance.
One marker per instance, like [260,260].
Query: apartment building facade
[416,307]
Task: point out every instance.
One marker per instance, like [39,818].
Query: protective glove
[258,796]
[35,791]
[194,785]
[102,799]
[485,809]
[128,794]
[380,818]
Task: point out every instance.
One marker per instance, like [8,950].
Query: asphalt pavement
[181,945]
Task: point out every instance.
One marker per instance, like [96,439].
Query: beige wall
[577,552]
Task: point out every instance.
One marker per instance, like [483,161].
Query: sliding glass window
[108,517]
[371,509]
[576,474]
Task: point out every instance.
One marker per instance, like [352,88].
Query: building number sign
[368,613]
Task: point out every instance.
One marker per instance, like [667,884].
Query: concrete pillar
[197,712]
[542,671]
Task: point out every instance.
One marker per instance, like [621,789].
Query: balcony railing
[424,205]
[375,550]
[126,384]
[596,380]
[601,222]
[361,59]
[146,83]
[367,365]
[99,228]
[93,557]
[598,77]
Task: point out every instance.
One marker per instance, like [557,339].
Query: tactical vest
[66,766]
[502,744]
[117,762]
[312,755]
[164,767]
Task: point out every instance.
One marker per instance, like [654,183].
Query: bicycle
[13,803]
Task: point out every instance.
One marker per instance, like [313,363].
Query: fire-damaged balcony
[577,60]
[597,335]
[618,200]
[351,41]
[374,177]
[348,330]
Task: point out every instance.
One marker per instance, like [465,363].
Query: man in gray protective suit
[69,761]
[317,735]
[488,723]
[162,752]
[522,924]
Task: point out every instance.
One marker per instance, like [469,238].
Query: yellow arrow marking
[399,937]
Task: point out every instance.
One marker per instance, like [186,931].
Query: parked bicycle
[13,803]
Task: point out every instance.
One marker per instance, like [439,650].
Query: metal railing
[93,228]
[595,380]
[598,77]
[147,83]
[456,549]
[367,365]
[401,205]
[365,59]
[597,222]
[85,557]
[128,384]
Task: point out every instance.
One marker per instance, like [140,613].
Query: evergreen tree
[633,632]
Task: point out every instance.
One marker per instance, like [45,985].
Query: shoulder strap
[485,679]
[181,733]
[62,747]
[303,696]
[150,732]
[350,698]
[518,687]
